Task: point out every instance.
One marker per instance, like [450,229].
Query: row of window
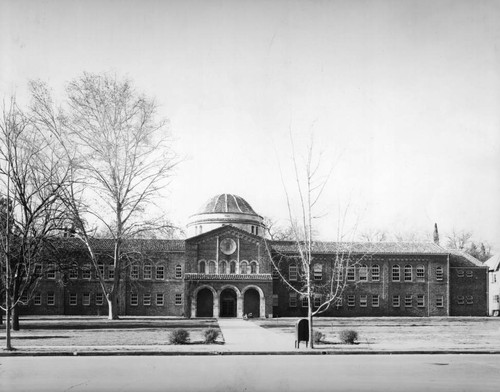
[364,273]
[98,298]
[147,272]
[225,267]
[397,300]
[462,273]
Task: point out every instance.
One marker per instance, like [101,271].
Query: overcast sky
[402,96]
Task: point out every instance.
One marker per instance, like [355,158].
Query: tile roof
[493,262]
[462,259]
[107,244]
[364,247]
[196,276]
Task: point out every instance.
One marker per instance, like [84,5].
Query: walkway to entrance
[244,335]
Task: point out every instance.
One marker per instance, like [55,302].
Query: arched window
[363,273]
[223,268]
[211,267]
[318,272]
[439,273]
[375,273]
[244,268]
[178,271]
[201,267]
[395,273]
[408,273]
[232,267]
[253,267]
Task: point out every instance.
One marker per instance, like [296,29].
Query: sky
[401,98]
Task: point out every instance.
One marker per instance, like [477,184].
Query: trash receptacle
[301,332]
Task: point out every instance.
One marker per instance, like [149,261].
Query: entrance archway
[205,303]
[228,303]
[251,303]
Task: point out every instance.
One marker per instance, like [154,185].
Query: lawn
[98,331]
[408,333]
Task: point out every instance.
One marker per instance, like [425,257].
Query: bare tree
[34,175]
[373,235]
[277,232]
[122,158]
[321,294]
[458,239]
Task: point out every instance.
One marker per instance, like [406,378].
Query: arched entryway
[228,303]
[205,303]
[251,303]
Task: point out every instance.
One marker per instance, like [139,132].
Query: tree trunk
[112,306]
[310,318]
[8,345]
[1,317]
[15,318]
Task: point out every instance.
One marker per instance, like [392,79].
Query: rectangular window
[292,298]
[317,301]
[439,301]
[99,299]
[460,273]
[493,278]
[275,299]
[86,272]
[134,272]
[146,299]
[178,299]
[469,273]
[178,271]
[37,299]
[51,271]
[318,272]
[408,301]
[86,299]
[73,299]
[396,301]
[24,298]
[351,300]
[73,273]
[38,270]
[375,273]
[439,273]
[420,300]
[148,271]
[159,299]
[469,299]
[420,272]
[338,302]
[496,298]
[160,272]
[351,277]
[363,300]
[51,298]
[460,300]
[375,301]
[134,299]
[339,275]
[111,272]
[305,302]
[292,272]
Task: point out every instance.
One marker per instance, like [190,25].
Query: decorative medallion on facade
[227,246]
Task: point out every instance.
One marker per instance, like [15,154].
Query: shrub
[318,336]
[211,335]
[348,336]
[179,336]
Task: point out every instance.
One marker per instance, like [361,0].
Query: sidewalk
[244,335]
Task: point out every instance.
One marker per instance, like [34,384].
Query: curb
[241,353]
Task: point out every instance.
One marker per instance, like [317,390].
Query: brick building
[224,269]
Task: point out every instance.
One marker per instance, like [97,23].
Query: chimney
[436,234]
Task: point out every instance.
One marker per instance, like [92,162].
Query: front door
[228,303]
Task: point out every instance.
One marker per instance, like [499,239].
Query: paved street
[253,373]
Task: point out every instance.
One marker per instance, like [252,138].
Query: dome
[227,203]
[223,210]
